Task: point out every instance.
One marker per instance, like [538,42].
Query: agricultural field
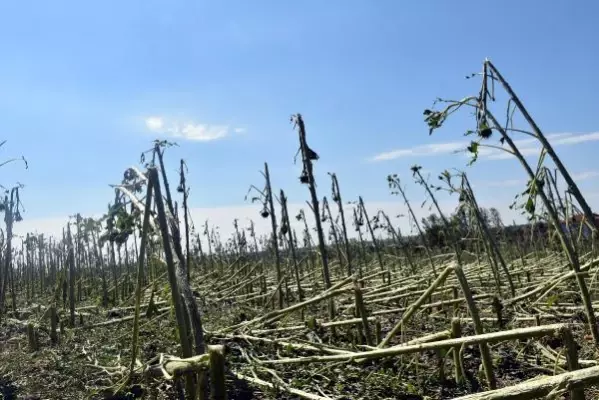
[143,304]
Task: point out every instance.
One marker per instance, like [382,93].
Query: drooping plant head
[485,127]
[12,203]
[261,196]
[284,225]
[308,155]
[323,214]
[358,219]
[419,179]
[415,169]
[12,206]
[335,195]
[156,150]
[479,103]
[394,183]
[182,188]
[436,118]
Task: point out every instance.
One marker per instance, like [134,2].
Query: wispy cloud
[576,139]
[531,146]
[495,154]
[527,147]
[154,123]
[419,151]
[581,176]
[578,177]
[188,130]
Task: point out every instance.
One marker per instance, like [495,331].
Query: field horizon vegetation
[334,302]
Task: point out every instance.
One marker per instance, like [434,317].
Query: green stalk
[140,274]
[572,187]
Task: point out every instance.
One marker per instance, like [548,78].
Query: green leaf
[530,206]
[473,148]
[484,130]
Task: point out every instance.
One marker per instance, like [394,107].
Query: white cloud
[578,177]
[199,132]
[527,147]
[154,123]
[530,146]
[576,139]
[581,176]
[424,150]
[239,130]
[493,154]
[188,130]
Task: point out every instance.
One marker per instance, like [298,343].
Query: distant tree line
[437,235]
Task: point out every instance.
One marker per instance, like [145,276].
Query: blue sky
[86,86]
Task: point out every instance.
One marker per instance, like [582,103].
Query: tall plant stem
[7,268]
[362,245]
[485,229]
[336,193]
[375,243]
[287,224]
[572,187]
[186,220]
[418,228]
[398,239]
[274,241]
[566,244]
[180,314]
[72,277]
[209,240]
[329,215]
[478,327]
[308,155]
[140,275]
